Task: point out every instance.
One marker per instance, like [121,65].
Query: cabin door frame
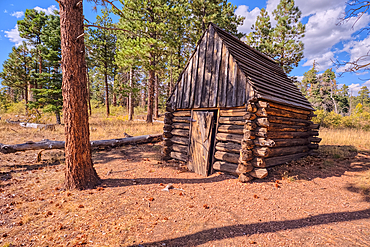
[202,141]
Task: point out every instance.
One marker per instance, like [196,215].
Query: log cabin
[234,110]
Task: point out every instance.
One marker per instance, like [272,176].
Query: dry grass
[350,137]
[100,128]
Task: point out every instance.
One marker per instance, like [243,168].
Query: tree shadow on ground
[130,152]
[332,161]
[220,233]
[111,182]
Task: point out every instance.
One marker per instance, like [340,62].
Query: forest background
[142,52]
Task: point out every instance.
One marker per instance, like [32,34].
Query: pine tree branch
[111,28]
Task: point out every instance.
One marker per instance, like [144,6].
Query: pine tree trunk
[88,91]
[40,68]
[156,97]
[79,173]
[57,116]
[106,91]
[171,83]
[130,99]
[143,96]
[149,116]
[114,99]
[26,98]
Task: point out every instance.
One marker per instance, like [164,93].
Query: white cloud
[314,6]
[299,77]
[359,51]
[48,11]
[13,36]
[322,33]
[250,17]
[355,87]
[323,61]
[5,11]
[17,14]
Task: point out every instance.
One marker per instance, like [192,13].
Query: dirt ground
[321,201]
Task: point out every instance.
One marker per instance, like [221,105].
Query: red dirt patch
[316,201]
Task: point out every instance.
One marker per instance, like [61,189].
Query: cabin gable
[212,78]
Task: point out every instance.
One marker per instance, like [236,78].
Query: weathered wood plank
[227,157]
[230,147]
[241,84]
[232,129]
[284,127]
[180,140]
[225,167]
[180,148]
[181,113]
[179,156]
[180,92]
[187,85]
[208,69]
[201,68]
[174,97]
[223,77]
[180,126]
[289,108]
[284,113]
[216,72]
[290,121]
[200,141]
[229,137]
[287,135]
[194,73]
[233,113]
[181,119]
[180,132]
[234,82]
[232,120]
[231,83]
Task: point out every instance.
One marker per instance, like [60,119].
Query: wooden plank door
[200,142]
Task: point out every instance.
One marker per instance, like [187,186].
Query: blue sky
[324,41]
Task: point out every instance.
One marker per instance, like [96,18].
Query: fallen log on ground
[33,125]
[48,144]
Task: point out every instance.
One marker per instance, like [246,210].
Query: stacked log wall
[176,134]
[229,136]
[282,134]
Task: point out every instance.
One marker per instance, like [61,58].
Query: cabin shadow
[228,232]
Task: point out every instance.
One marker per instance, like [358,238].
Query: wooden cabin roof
[225,72]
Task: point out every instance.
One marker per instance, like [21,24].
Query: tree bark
[149,117]
[130,99]
[88,91]
[106,89]
[57,116]
[79,173]
[156,97]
